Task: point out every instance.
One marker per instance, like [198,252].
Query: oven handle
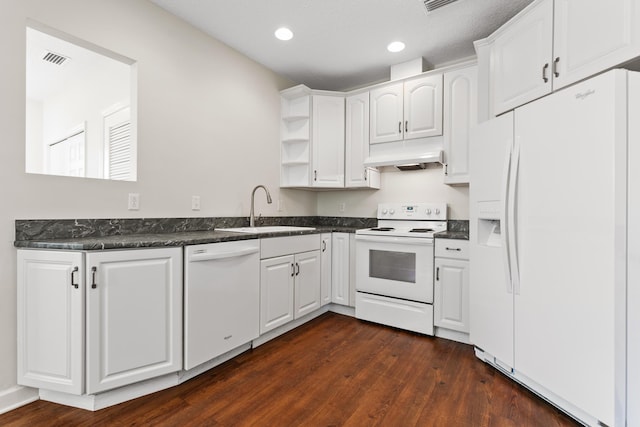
[395,240]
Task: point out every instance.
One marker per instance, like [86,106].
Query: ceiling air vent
[431,5]
[54,58]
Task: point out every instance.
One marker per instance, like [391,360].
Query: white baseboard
[95,402]
[16,397]
[274,333]
[452,335]
[343,309]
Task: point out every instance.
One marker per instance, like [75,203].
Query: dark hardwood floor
[333,371]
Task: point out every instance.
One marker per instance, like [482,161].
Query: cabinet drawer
[279,246]
[452,248]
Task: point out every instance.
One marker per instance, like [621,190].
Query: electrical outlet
[280,206]
[134,201]
[195,203]
[342,206]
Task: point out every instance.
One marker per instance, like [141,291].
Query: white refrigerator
[554,233]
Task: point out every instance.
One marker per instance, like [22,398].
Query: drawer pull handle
[555,67]
[544,72]
[93,277]
[438,274]
[453,249]
[293,270]
[324,245]
[74,284]
[297,269]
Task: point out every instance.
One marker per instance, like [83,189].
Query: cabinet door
[521,59]
[423,107]
[460,114]
[51,320]
[590,36]
[325,269]
[451,299]
[357,140]
[340,268]
[328,141]
[307,283]
[386,114]
[134,316]
[276,292]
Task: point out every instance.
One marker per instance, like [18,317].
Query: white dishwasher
[222,298]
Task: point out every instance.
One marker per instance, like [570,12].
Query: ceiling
[341,44]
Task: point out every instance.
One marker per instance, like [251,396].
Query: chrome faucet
[252,220]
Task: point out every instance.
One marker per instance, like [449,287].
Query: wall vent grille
[54,58]
[431,5]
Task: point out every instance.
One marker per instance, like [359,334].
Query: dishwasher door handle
[205,256]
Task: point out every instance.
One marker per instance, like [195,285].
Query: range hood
[406,154]
[409,161]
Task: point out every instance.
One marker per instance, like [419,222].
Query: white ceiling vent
[54,58]
[431,5]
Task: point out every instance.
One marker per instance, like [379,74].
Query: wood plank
[332,371]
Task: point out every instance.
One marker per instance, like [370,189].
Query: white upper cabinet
[460,114]
[357,144]
[554,43]
[591,36]
[328,141]
[423,107]
[521,58]
[407,110]
[386,113]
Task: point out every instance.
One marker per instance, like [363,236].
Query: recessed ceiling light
[283,33]
[395,47]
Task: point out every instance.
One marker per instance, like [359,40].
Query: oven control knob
[384,211]
[437,211]
[392,211]
[428,211]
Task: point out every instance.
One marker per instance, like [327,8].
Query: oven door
[399,267]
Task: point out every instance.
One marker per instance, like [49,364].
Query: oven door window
[391,265]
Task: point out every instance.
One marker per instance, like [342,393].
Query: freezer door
[491,295]
[571,220]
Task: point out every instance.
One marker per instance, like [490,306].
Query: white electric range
[394,265]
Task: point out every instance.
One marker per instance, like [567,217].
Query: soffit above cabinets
[342,44]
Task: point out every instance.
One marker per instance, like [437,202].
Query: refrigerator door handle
[511,218]
[504,229]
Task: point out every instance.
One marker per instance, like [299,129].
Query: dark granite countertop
[462,235]
[456,229]
[150,240]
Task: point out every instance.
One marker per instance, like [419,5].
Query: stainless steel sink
[267,229]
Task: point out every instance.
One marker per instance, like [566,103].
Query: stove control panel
[413,211]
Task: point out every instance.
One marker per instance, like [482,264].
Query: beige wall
[208,126]
[396,186]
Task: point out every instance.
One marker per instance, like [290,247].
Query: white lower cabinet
[451,290]
[325,268]
[93,321]
[289,284]
[340,269]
